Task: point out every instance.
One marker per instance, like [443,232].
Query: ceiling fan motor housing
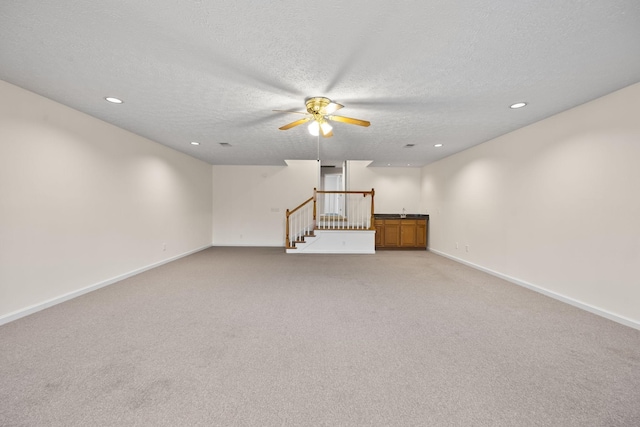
[317,105]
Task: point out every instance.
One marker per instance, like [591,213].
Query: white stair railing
[344,210]
[330,210]
[300,222]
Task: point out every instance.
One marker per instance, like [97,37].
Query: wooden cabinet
[391,233]
[408,228]
[421,234]
[379,226]
[408,233]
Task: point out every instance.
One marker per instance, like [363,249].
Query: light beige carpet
[255,337]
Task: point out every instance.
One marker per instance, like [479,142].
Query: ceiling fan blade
[291,112]
[296,123]
[349,120]
[332,107]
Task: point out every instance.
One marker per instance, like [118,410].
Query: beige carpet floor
[255,337]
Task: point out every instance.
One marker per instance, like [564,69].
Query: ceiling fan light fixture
[326,128]
[314,128]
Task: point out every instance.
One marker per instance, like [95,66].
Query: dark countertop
[398,216]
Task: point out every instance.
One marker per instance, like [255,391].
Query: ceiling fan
[320,111]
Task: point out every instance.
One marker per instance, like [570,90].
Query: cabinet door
[391,233]
[379,225]
[421,234]
[408,233]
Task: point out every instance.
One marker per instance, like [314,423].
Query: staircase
[343,226]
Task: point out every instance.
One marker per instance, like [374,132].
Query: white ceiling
[423,72]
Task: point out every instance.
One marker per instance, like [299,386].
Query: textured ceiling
[423,72]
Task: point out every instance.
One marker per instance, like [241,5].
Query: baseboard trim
[579,304]
[246,245]
[331,251]
[10,317]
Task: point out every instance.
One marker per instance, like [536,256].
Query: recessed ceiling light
[225,144]
[195,143]
[518,105]
[114,100]
[438,145]
[388,164]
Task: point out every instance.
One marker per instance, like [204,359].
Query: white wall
[396,188]
[555,205]
[249,202]
[83,202]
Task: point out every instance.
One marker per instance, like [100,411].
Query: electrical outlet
[456,245]
[466,248]
[164,247]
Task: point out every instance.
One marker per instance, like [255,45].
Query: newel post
[315,196]
[288,243]
[372,226]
